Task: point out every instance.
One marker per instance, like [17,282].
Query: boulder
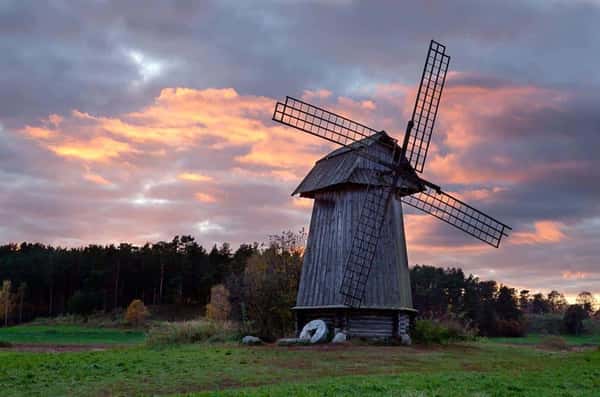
[292,341]
[251,340]
[315,331]
[340,337]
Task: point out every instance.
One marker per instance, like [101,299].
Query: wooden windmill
[355,272]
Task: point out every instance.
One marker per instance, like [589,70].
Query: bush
[268,290]
[551,323]
[441,332]
[136,313]
[83,303]
[511,328]
[219,308]
[592,326]
[5,344]
[172,333]
[554,342]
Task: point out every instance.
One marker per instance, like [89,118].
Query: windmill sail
[459,214]
[364,245]
[320,122]
[426,104]
[324,124]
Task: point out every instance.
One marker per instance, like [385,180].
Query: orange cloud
[301,202]
[463,127]
[97,149]
[478,194]
[194,177]
[205,197]
[421,230]
[574,275]
[178,118]
[97,179]
[545,232]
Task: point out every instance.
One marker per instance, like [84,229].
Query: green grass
[482,369]
[68,334]
[534,339]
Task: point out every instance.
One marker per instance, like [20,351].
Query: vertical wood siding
[335,217]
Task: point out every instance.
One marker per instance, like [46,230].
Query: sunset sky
[130,121]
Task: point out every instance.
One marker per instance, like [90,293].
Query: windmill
[355,272]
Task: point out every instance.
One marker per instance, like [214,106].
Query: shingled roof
[344,167]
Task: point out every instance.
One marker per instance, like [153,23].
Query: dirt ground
[54,348]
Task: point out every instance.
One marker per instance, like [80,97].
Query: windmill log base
[359,323]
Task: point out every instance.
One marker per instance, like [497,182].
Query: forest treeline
[258,281]
[48,281]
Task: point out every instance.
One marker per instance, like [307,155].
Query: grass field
[534,339]
[68,334]
[475,369]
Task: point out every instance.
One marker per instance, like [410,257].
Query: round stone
[316,331]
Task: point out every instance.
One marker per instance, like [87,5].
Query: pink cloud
[544,232]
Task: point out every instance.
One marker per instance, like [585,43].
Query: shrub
[441,332]
[510,328]
[551,323]
[268,290]
[83,303]
[592,326]
[136,313]
[219,308]
[171,333]
[5,344]
[553,342]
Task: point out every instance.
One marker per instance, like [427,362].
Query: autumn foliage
[219,308]
[136,313]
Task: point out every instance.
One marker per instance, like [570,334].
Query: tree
[524,300]
[136,313]
[557,302]
[219,307]
[269,287]
[6,300]
[573,319]
[21,296]
[506,304]
[83,303]
[587,301]
[539,305]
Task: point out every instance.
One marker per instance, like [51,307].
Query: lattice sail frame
[459,214]
[364,244]
[320,122]
[427,104]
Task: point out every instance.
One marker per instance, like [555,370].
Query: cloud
[574,275]
[194,177]
[212,162]
[545,232]
[114,124]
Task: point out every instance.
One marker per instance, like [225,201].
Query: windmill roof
[344,166]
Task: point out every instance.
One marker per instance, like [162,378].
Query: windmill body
[355,271]
[338,184]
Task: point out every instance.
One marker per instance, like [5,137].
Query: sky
[121,122]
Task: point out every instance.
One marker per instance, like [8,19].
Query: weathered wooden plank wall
[334,219]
